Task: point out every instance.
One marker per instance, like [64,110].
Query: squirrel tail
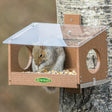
[50,90]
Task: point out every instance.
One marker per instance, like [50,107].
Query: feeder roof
[47,34]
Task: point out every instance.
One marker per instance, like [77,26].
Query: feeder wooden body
[76,54]
[75,60]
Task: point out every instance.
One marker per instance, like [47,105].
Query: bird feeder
[77,41]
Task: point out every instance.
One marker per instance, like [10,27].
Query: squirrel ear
[42,47]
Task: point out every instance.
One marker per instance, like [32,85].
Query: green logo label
[42,80]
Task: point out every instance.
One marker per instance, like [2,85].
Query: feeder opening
[93,61]
[24,57]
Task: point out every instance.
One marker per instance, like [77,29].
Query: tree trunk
[98,98]
[94,99]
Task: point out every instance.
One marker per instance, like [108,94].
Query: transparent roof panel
[47,34]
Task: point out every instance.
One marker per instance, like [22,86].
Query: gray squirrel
[48,58]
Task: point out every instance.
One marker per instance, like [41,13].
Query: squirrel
[48,58]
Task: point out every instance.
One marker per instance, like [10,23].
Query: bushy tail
[50,89]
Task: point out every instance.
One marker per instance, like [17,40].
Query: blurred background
[15,15]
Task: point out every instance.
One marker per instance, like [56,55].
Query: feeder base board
[49,80]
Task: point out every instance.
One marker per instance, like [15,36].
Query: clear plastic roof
[47,34]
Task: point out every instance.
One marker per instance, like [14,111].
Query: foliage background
[15,15]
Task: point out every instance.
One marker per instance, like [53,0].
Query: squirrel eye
[41,55]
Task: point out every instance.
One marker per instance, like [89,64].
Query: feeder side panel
[99,44]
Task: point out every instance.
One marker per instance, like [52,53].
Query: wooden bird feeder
[76,39]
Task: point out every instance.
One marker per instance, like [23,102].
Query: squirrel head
[39,54]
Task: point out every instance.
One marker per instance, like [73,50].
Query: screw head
[69,32]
